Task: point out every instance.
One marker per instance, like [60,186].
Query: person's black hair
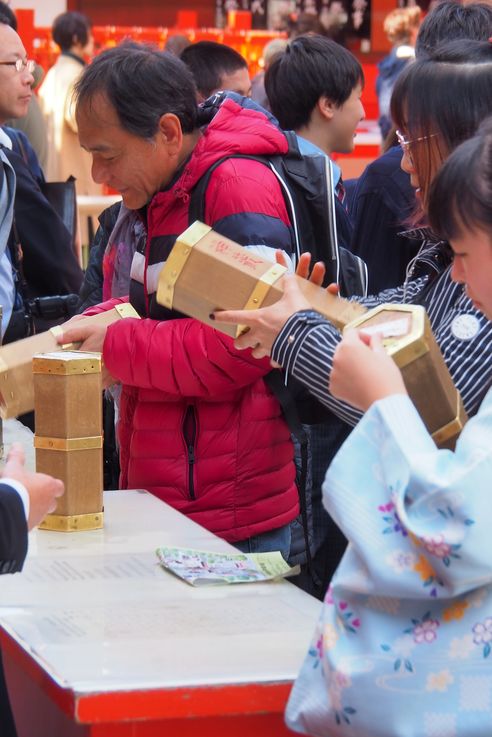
[442,99]
[142,84]
[450,20]
[7,16]
[449,91]
[69,29]
[310,67]
[461,194]
[209,61]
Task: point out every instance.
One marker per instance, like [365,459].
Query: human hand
[317,273]
[43,490]
[363,372]
[90,337]
[73,319]
[265,323]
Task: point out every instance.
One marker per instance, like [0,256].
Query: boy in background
[314,88]
[216,67]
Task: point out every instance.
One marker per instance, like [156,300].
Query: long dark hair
[461,194]
[442,100]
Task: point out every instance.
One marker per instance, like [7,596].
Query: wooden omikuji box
[407,337]
[68,439]
[16,384]
[206,272]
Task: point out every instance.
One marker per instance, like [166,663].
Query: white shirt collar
[4,139]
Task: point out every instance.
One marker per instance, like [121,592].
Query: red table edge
[152,704]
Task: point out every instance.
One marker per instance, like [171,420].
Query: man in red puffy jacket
[198,426]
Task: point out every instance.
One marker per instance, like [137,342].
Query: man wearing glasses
[15,94]
[21,64]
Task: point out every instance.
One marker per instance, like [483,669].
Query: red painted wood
[360,151]
[379,11]
[63,698]
[148,13]
[369,98]
[202,701]
[209,702]
[245,725]
[25,29]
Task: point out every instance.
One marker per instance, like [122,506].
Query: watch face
[465,327]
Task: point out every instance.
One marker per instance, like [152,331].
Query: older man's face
[15,87]
[135,167]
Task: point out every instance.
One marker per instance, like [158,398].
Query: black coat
[13,530]
[382,203]
[92,288]
[50,264]
[13,550]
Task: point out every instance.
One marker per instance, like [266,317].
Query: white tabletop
[97,612]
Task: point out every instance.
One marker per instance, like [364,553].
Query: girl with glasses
[438,102]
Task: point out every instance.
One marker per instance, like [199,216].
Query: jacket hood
[238,127]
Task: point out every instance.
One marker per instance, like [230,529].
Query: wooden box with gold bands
[68,439]
[206,272]
[16,383]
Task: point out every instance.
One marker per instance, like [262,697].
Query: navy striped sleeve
[305,348]
[307,342]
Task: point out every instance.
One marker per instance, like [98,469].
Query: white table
[100,640]
[93,205]
[89,207]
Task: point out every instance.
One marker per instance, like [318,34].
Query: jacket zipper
[189,434]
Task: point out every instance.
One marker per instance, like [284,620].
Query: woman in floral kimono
[403,644]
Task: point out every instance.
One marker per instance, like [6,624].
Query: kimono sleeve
[418,518]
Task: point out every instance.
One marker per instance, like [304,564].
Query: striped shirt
[307,342]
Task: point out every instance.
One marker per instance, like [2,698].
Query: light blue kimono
[403,645]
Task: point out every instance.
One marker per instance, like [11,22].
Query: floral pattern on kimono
[402,647]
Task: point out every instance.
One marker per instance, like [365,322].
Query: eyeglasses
[405,144]
[20,65]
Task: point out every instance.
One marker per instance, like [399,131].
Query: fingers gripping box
[206,272]
[407,336]
[16,382]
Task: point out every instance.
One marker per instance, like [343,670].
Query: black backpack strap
[275,382]
[353,274]
[196,206]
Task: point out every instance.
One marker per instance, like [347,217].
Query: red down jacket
[198,426]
